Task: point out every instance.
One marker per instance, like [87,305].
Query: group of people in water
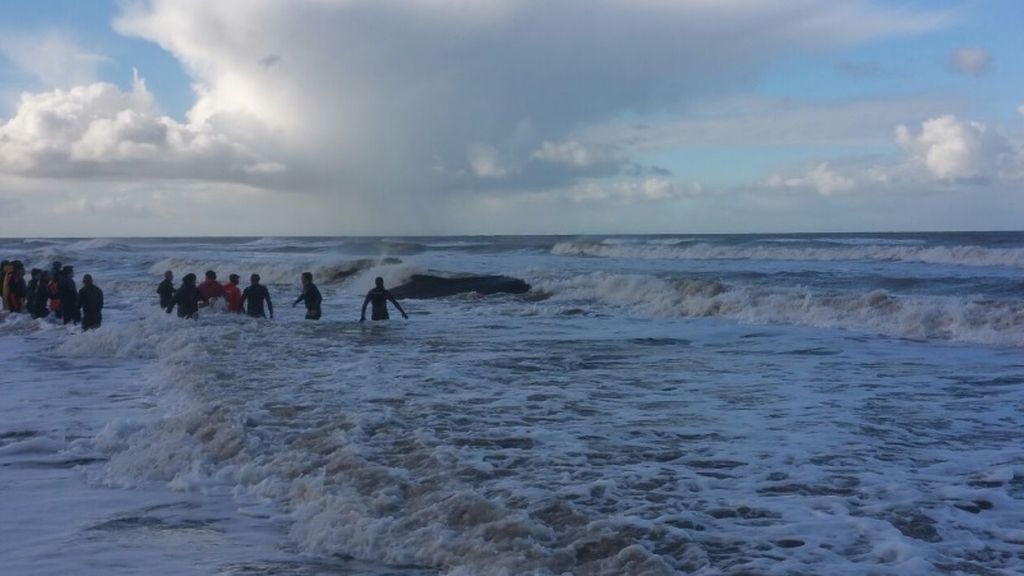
[53,292]
[189,297]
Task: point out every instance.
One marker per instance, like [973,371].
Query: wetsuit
[232,298]
[30,295]
[166,292]
[254,296]
[312,299]
[69,300]
[42,295]
[90,299]
[186,298]
[378,298]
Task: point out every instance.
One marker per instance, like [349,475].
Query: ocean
[841,404]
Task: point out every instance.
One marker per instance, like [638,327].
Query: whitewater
[842,404]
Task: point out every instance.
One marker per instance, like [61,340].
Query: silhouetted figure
[233,295]
[210,288]
[68,293]
[166,289]
[90,301]
[30,291]
[310,296]
[254,296]
[380,297]
[186,298]
[38,308]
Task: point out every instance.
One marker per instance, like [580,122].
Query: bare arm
[270,305]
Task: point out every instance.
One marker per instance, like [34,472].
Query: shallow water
[654,405]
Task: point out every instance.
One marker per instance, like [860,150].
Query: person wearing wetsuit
[30,293]
[233,295]
[210,288]
[380,297]
[253,298]
[42,295]
[310,296]
[166,289]
[68,293]
[90,300]
[186,298]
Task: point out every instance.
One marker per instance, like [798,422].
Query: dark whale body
[424,286]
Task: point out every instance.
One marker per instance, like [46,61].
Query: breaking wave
[962,255]
[956,318]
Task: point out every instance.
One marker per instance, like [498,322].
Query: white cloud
[970,61]
[389,108]
[949,148]
[97,129]
[52,57]
[821,179]
[484,161]
[570,153]
[1020,109]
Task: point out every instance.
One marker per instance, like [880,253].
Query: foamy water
[691,405]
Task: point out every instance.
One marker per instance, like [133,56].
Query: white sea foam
[962,255]
[613,422]
[958,318]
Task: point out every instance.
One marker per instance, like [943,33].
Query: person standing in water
[310,296]
[233,295]
[166,290]
[379,297]
[90,300]
[210,288]
[253,298]
[68,293]
[186,298]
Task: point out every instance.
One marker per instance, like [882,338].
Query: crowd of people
[54,292]
[51,292]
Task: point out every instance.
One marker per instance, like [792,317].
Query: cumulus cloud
[100,130]
[385,100]
[950,148]
[821,179]
[970,61]
[378,94]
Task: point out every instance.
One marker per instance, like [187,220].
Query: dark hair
[211,274]
[233,277]
[255,277]
[190,278]
[307,276]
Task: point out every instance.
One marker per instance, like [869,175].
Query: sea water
[796,404]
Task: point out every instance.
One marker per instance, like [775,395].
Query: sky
[443,117]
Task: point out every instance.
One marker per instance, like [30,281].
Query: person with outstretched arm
[310,296]
[254,296]
[380,297]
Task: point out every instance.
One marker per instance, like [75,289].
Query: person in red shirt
[210,288]
[233,294]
